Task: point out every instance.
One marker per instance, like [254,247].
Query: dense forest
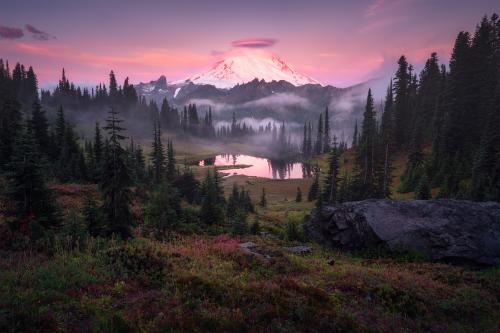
[35,153]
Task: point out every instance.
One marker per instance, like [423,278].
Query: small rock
[301,249]
[247,245]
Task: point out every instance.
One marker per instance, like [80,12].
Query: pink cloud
[138,63]
[254,42]
[10,33]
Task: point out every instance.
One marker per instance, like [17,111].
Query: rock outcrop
[451,230]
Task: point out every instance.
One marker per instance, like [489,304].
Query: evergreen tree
[314,189]
[319,202]
[140,164]
[239,223]
[116,181]
[387,142]
[60,129]
[30,87]
[414,166]
[423,189]
[97,153]
[157,154]
[401,103]
[10,126]
[93,217]
[345,189]
[485,171]
[68,162]
[327,139]
[318,148]
[366,153]
[233,203]
[305,151]
[163,211]
[298,196]
[211,211]
[170,164]
[33,202]
[113,87]
[428,94]
[355,135]
[330,191]
[263,199]
[40,128]
[188,186]
[255,227]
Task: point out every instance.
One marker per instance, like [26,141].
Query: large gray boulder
[453,230]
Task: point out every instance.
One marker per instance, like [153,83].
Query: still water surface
[260,167]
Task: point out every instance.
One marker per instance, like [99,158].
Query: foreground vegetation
[202,283]
[199,282]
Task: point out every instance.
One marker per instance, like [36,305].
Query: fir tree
[319,202]
[255,227]
[170,164]
[60,128]
[140,164]
[116,181]
[163,211]
[10,126]
[157,154]
[330,192]
[318,148]
[298,196]
[93,217]
[211,211]
[314,189]
[263,199]
[366,152]
[113,87]
[355,135]
[401,93]
[34,204]
[239,223]
[97,148]
[305,151]
[188,186]
[387,141]
[423,189]
[40,128]
[327,139]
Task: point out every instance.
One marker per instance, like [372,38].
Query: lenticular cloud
[254,42]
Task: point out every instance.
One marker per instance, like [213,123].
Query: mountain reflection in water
[260,167]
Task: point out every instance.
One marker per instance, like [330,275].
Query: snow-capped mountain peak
[242,66]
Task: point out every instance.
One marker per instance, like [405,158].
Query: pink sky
[335,42]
